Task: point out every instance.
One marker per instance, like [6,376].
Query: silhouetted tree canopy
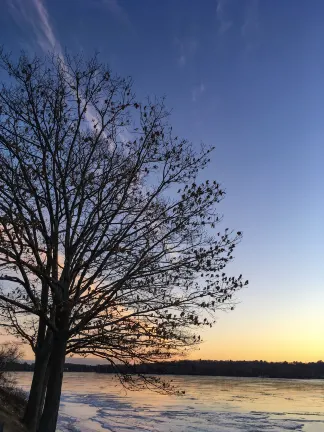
[108,241]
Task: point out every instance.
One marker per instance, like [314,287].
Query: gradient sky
[248,77]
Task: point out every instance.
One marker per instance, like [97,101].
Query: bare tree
[11,397]
[9,353]
[107,239]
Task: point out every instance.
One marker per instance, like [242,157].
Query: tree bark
[42,402]
[33,408]
[53,393]
[38,387]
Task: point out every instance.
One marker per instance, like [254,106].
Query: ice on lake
[97,403]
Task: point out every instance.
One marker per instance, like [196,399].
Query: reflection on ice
[97,403]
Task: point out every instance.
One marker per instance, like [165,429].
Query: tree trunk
[53,394]
[42,402]
[38,387]
[34,404]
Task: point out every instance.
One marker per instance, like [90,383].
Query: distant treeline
[204,367]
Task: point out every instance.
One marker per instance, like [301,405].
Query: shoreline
[294,378]
[10,421]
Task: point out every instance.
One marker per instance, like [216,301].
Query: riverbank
[11,409]
[10,421]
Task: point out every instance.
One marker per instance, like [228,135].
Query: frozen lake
[97,403]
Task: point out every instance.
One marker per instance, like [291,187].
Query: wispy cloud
[34,14]
[46,38]
[197,91]
[222,15]
[38,20]
[186,49]
[243,18]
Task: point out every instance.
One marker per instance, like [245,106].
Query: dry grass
[12,403]
[12,399]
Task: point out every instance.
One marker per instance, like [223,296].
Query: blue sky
[248,77]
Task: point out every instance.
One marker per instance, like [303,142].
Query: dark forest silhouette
[256,368]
